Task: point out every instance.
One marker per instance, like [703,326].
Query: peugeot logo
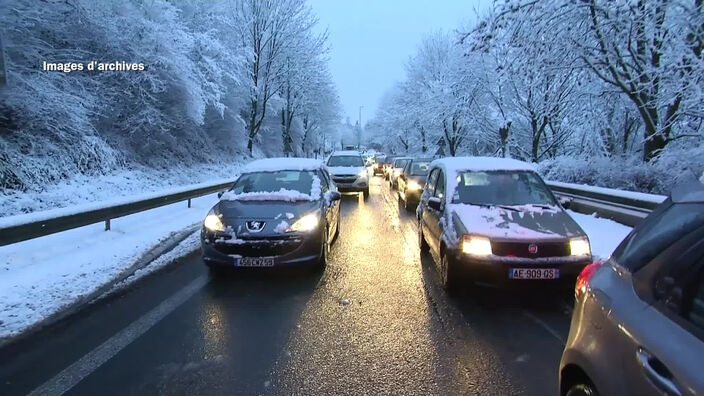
[533,248]
[255,226]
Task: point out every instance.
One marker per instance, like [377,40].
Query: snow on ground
[610,191]
[40,276]
[604,234]
[81,189]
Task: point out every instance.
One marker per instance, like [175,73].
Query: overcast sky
[372,39]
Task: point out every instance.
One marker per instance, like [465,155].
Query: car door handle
[656,372]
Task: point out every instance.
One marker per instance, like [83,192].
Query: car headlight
[476,245]
[306,223]
[213,222]
[413,185]
[580,247]
[362,173]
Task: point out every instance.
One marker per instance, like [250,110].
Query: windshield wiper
[542,206]
[486,205]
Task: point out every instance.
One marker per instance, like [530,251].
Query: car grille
[260,247]
[520,249]
[345,178]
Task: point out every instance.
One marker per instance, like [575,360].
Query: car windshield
[501,188]
[401,163]
[263,182]
[345,160]
[420,168]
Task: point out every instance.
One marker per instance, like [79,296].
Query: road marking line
[83,367]
[545,326]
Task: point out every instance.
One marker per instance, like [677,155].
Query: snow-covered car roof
[459,164]
[345,152]
[279,164]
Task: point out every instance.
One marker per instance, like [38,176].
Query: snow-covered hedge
[658,177]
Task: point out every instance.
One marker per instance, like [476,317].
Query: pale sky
[371,41]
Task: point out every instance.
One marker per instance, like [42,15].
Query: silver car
[638,321]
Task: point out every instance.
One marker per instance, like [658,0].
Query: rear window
[345,160]
[420,168]
[401,163]
[664,226]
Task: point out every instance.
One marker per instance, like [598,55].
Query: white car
[349,172]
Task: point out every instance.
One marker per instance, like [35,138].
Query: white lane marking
[545,326]
[83,367]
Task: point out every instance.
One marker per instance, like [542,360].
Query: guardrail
[23,227]
[625,207]
[622,206]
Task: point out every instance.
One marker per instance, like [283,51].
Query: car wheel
[422,243]
[337,230]
[366,193]
[325,250]
[582,390]
[449,276]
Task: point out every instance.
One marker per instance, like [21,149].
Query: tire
[582,390]
[337,230]
[366,193]
[448,276]
[422,243]
[324,251]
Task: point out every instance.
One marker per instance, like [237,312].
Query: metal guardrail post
[189,202]
[107,225]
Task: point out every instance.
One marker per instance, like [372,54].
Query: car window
[440,187]
[345,160]
[263,182]
[401,163]
[430,186]
[324,181]
[419,168]
[664,226]
[501,188]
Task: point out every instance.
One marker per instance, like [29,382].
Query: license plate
[254,262]
[533,273]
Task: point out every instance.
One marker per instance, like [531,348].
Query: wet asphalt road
[375,322]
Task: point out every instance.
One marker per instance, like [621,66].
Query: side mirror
[435,203]
[335,196]
[565,202]
[220,193]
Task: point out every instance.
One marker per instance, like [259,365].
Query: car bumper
[301,250]
[495,269]
[357,186]
[412,196]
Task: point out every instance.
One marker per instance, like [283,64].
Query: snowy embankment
[604,234]
[81,189]
[39,277]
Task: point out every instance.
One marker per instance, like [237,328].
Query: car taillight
[584,277]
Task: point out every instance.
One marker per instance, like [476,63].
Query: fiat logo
[532,248]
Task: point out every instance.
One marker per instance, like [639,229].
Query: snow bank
[654,198]
[42,275]
[604,234]
[276,164]
[82,190]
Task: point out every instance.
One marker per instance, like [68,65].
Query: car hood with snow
[526,222]
[250,218]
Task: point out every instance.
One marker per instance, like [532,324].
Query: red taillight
[584,277]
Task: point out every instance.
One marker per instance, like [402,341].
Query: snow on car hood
[345,170]
[527,222]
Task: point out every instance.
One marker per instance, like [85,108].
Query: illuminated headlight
[476,245]
[306,223]
[413,185]
[580,247]
[213,223]
[363,173]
